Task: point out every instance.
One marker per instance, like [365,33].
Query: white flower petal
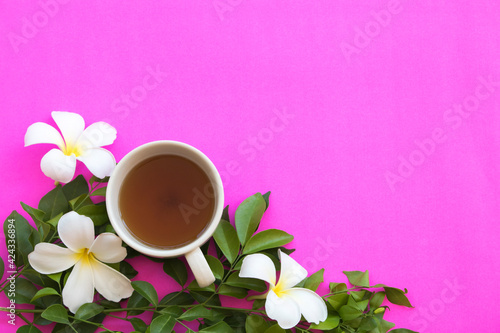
[107,247]
[282,309]
[43,133]
[99,161]
[110,283]
[79,289]
[71,125]
[50,258]
[291,272]
[258,266]
[76,231]
[58,166]
[311,305]
[97,135]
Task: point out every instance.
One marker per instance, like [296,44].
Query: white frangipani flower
[87,255]
[75,143]
[284,303]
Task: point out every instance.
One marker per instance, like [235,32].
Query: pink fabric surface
[375,124]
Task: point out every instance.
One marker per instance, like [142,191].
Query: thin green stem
[5,283]
[231,269]
[180,322]
[92,189]
[74,329]
[25,319]
[91,323]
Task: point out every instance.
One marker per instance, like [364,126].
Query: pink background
[359,89]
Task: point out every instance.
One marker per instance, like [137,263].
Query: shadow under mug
[191,251]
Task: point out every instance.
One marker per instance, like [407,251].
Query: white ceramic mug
[191,251]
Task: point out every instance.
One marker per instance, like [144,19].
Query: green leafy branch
[358,309]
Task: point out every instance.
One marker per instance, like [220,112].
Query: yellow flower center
[278,289]
[85,256]
[72,149]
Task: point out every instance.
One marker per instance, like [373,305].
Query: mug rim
[125,165]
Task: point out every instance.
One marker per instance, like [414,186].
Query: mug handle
[201,270]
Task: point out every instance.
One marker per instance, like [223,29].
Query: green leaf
[331,322]
[225,214]
[226,238]
[136,301]
[40,279]
[176,269]
[220,327]
[17,229]
[75,188]
[100,192]
[147,290]
[358,278]
[88,310]
[22,292]
[82,327]
[36,214]
[138,324]
[248,216]
[199,311]
[402,330]
[275,329]
[258,304]
[97,213]
[368,323]
[28,329]
[236,292]
[56,313]
[338,300]
[338,287]
[127,270]
[265,196]
[237,321]
[80,201]
[38,217]
[215,266]
[254,284]
[195,286]
[115,305]
[44,292]
[55,220]
[384,325]
[37,318]
[267,239]
[362,305]
[358,295]
[54,202]
[312,282]
[397,296]
[95,179]
[255,324]
[173,310]
[177,298]
[206,297]
[56,276]
[162,324]
[348,312]
[377,300]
